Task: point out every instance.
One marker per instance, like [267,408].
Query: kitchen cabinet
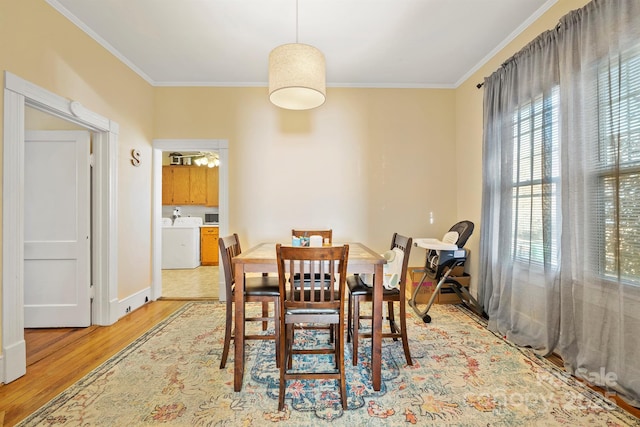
[209,245]
[212,186]
[198,185]
[181,185]
[184,185]
[167,186]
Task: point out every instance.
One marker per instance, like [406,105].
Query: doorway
[219,146]
[188,272]
[19,94]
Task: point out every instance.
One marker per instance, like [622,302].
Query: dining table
[262,259]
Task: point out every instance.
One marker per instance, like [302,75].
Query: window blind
[535,177]
[617,167]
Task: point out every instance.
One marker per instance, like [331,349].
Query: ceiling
[366,43]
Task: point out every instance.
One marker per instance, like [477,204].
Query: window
[616,200]
[617,168]
[536,172]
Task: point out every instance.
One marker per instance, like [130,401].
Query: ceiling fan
[211,160]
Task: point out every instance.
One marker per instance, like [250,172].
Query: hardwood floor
[557,360]
[56,358]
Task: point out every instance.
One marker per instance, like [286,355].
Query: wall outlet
[128,310]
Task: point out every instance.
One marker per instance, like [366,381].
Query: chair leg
[349,318]
[265,313]
[276,322]
[290,331]
[340,362]
[392,319]
[283,365]
[405,338]
[227,332]
[356,328]
[336,345]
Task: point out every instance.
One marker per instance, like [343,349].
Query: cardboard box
[424,293]
[457,271]
[414,277]
[415,273]
[464,279]
[446,295]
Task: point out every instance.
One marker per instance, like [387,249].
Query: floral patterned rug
[462,375]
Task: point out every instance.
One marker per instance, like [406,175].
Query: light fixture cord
[296,21]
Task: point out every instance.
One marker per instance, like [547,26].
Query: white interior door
[57,229]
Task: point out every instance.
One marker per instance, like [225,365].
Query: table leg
[376,338]
[238,361]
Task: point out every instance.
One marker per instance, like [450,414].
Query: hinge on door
[92,292]
[92,160]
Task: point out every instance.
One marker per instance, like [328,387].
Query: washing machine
[181,243]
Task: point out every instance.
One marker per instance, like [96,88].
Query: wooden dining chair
[326,233]
[316,303]
[263,289]
[359,293]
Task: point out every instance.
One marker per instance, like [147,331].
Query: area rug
[462,375]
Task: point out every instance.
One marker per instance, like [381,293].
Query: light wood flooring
[57,358]
[195,283]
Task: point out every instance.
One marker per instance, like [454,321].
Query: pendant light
[297,75]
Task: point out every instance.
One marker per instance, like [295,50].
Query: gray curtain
[560,229]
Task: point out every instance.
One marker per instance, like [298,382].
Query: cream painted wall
[469,117]
[388,156]
[43,47]
[367,163]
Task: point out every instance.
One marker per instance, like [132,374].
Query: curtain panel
[560,235]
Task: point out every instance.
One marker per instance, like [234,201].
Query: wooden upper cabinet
[198,185]
[181,186]
[167,186]
[212,186]
[184,185]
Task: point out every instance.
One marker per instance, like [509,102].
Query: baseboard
[134,302]
[13,361]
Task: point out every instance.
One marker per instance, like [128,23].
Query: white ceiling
[366,43]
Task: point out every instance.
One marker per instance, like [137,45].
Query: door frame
[221,146]
[18,94]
